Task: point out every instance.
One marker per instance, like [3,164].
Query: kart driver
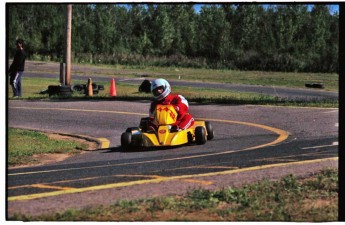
[161,91]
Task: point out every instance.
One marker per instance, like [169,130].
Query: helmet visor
[157,91]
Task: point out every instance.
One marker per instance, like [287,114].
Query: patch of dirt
[50,158]
[91,144]
[47,158]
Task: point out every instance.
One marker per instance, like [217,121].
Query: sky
[333,8]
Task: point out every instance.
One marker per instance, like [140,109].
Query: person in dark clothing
[17,68]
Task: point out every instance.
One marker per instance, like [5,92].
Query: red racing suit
[184,119]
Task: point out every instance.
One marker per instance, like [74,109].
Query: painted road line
[323,146]
[162,179]
[282,135]
[131,79]
[275,90]
[333,111]
[51,187]
[199,167]
[81,110]
[54,182]
[287,158]
[46,184]
[204,182]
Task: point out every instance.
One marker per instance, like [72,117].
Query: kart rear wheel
[133,130]
[209,129]
[200,135]
[126,139]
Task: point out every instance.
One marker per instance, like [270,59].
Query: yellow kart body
[164,117]
[166,138]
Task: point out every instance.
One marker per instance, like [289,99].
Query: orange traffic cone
[89,87]
[112,88]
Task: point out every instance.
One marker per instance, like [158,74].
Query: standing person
[17,68]
[161,91]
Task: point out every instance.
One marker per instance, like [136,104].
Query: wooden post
[68,44]
[62,73]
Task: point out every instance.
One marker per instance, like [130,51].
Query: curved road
[251,143]
[246,137]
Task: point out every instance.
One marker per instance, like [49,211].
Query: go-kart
[163,135]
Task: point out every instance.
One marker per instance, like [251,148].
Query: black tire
[200,135]
[314,85]
[94,86]
[209,129]
[53,90]
[131,129]
[77,87]
[126,139]
[63,90]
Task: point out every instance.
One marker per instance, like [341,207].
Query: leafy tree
[162,30]
[211,26]
[83,29]
[237,36]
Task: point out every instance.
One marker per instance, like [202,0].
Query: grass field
[285,79]
[23,145]
[33,86]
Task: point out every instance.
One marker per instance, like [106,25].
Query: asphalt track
[246,137]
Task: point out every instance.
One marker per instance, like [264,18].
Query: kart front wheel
[209,129]
[126,139]
[200,135]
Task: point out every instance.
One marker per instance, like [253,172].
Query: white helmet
[160,83]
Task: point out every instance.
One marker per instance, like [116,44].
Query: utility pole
[68,44]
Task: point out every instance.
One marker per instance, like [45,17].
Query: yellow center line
[161,179]
[79,110]
[50,187]
[282,158]
[81,179]
[282,135]
[200,167]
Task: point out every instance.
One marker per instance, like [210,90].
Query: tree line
[219,36]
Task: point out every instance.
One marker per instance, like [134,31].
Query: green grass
[294,80]
[286,79]
[24,144]
[313,199]
[32,87]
